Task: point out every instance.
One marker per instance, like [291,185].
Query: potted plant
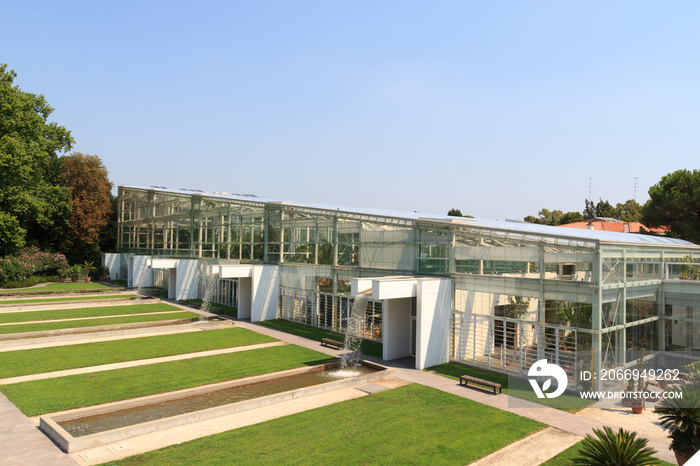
[62,275]
[638,404]
[102,272]
[681,418]
[74,272]
[87,268]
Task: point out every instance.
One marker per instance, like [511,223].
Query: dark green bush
[31,281]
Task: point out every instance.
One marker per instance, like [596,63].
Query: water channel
[116,419]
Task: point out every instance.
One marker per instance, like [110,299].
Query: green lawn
[35,316]
[74,391]
[454,371]
[407,425]
[59,300]
[521,388]
[566,458]
[51,325]
[214,307]
[60,287]
[35,361]
[368,347]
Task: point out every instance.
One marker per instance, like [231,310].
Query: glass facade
[518,290]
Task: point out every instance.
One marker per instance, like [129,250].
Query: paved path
[534,449]
[21,442]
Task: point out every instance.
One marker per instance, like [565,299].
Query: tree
[457,213]
[31,200]
[630,211]
[554,217]
[88,181]
[674,202]
[108,234]
[601,209]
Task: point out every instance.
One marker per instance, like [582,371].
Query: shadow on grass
[517,388]
[368,348]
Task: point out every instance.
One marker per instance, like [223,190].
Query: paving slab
[533,449]
[23,444]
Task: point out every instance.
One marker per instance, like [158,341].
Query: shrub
[28,262]
[612,448]
[31,281]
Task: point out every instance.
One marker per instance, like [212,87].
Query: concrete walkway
[22,444]
[534,449]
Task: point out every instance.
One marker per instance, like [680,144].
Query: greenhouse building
[498,295]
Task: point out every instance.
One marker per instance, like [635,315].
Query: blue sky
[497,108]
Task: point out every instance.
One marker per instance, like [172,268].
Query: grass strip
[213,307]
[75,391]
[522,389]
[36,361]
[59,300]
[58,287]
[50,325]
[31,316]
[454,371]
[407,425]
[566,457]
[369,348]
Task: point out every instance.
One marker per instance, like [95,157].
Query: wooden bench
[329,342]
[465,379]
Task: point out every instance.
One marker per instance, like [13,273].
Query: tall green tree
[601,209]
[32,201]
[674,202]
[630,211]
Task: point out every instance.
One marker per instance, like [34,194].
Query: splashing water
[139,283]
[209,283]
[354,330]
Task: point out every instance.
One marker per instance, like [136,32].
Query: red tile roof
[617,226]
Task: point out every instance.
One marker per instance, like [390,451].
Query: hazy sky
[497,108]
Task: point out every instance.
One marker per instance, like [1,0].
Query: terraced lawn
[367,347]
[58,287]
[407,425]
[36,361]
[61,300]
[35,316]
[83,323]
[75,391]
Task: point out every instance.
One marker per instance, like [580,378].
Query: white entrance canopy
[432,314]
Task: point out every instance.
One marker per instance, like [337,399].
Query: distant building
[614,225]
